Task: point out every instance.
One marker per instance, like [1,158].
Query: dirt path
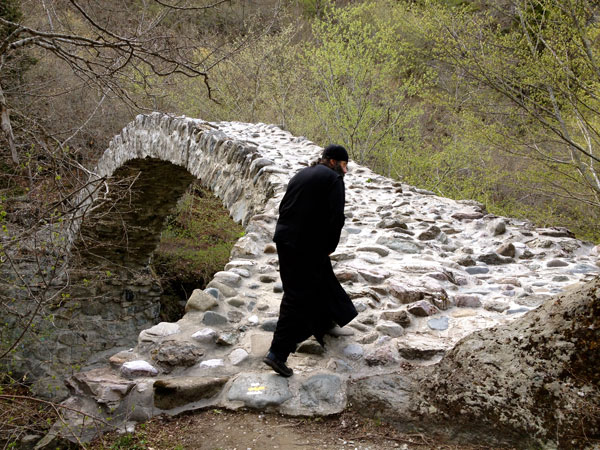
[225,430]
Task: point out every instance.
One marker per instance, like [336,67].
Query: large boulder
[533,382]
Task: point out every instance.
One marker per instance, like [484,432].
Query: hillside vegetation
[493,101]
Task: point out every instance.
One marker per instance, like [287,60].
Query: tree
[118,49]
[362,82]
[541,57]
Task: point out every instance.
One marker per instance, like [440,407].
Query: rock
[379,249]
[495,305]
[382,355]
[477,270]
[510,281]
[118,359]
[556,232]
[105,387]
[392,223]
[28,441]
[238,356]
[241,272]
[507,250]
[236,302]
[517,310]
[322,394]
[230,279]
[431,233]
[360,304]
[161,330]
[260,343]
[441,276]
[136,369]
[512,377]
[400,317]
[532,301]
[556,263]
[467,215]
[368,338]
[423,350]
[213,318]
[467,301]
[269,325]
[213,291]
[200,301]
[245,247]
[390,396]
[338,365]
[494,259]
[400,245]
[227,339]
[259,390]
[345,274]
[277,288]
[173,353]
[497,227]
[389,328]
[212,363]
[438,323]
[267,279]
[584,268]
[422,308]
[341,256]
[173,392]
[373,276]
[403,294]
[235,316]
[310,347]
[205,335]
[353,351]
[240,263]
[439,299]
[226,291]
[466,261]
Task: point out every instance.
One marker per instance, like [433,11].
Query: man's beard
[338,168]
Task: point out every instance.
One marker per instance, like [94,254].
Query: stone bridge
[423,271]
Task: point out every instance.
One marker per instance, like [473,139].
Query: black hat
[336,152]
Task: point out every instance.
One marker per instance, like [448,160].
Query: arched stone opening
[122,233]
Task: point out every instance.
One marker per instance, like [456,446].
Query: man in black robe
[311,217]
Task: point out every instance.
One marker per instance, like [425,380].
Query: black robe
[311,217]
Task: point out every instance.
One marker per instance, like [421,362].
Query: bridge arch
[111,294]
[158,156]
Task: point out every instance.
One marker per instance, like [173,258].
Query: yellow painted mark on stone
[256,389]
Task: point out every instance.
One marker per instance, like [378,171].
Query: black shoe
[278,366]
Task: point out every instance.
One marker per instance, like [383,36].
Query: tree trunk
[7,127]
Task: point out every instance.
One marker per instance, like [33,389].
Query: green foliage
[542,68]
[447,95]
[195,244]
[9,10]
[363,81]
[130,442]
[14,66]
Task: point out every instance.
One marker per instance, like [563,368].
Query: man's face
[340,167]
